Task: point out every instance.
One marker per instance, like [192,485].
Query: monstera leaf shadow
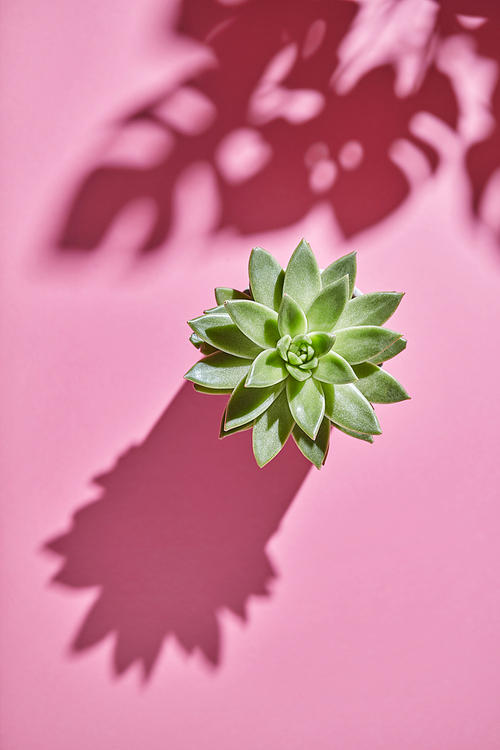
[268,122]
[178,534]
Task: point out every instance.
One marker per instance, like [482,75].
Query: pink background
[380,626]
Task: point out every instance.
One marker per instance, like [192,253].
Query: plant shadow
[178,534]
[268,122]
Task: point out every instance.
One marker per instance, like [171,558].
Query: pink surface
[354,608]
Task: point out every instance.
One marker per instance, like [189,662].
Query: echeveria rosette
[298,352]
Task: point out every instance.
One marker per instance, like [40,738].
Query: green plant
[299,351]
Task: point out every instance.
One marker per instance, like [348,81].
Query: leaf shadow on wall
[178,534]
[268,121]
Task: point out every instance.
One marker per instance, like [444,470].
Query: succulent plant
[299,352]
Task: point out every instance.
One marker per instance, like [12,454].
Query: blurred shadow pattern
[178,534]
[306,102]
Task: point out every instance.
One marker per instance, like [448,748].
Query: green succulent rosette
[299,352]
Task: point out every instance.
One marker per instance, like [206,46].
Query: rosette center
[298,351]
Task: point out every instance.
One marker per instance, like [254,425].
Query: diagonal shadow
[179,533]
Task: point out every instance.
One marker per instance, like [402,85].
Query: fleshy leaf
[378,386]
[211,391]
[219,371]
[196,340]
[359,344]
[369,309]
[301,338]
[223,293]
[294,359]
[297,373]
[347,407]
[266,278]
[291,317]
[256,321]
[271,430]
[332,368]
[220,331]
[201,345]
[357,435]
[283,345]
[327,306]
[338,269]
[224,433]
[310,365]
[268,369]
[392,351]
[314,450]
[307,404]
[246,404]
[321,342]
[219,310]
[302,276]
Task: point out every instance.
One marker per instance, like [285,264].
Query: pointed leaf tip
[347,407]
[224,293]
[316,450]
[386,354]
[361,343]
[220,331]
[271,430]
[246,404]
[307,404]
[372,309]
[302,276]
[266,278]
[219,371]
[378,386]
[326,308]
[338,269]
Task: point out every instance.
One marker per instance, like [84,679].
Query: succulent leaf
[307,404]
[224,293]
[267,369]
[302,276]
[338,269]
[266,278]
[352,433]
[256,321]
[283,345]
[272,429]
[294,359]
[297,373]
[332,368]
[211,391]
[314,450]
[291,317]
[311,365]
[357,345]
[196,340]
[321,342]
[219,371]
[327,306]
[347,407]
[220,331]
[246,404]
[369,309]
[219,310]
[389,353]
[378,386]
[241,428]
